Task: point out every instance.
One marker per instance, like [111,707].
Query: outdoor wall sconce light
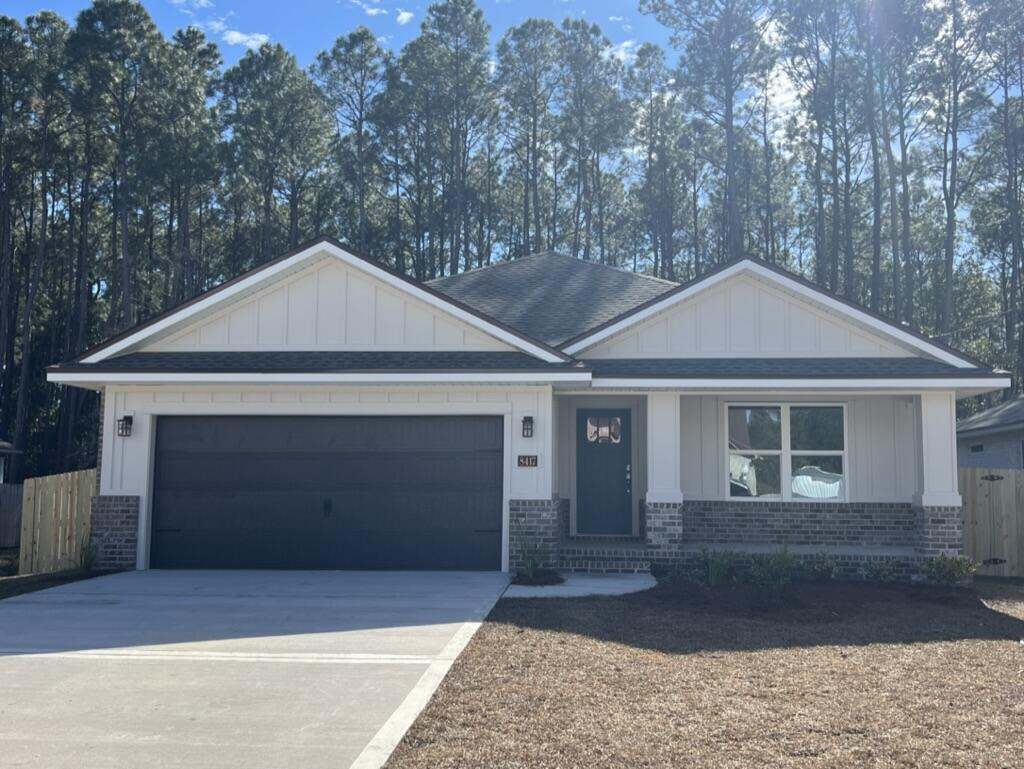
[527,427]
[124,426]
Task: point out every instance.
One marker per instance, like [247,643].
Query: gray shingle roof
[279,361]
[551,297]
[779,368]
[1006,414]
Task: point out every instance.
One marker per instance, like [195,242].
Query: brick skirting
[803,523]
[675,532]
[115,528]
[535,525]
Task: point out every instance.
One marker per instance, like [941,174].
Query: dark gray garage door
[327,493]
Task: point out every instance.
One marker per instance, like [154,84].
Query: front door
[604,472]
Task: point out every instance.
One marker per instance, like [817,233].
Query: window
[787,451]
[977,448]
[604,429]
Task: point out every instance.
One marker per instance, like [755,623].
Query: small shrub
[533,572]
[880,570]
[87,557]
[773,574]
[716,568]
[821,568]
[949,570]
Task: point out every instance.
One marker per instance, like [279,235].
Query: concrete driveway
[247,670]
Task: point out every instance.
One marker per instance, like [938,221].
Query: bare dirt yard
[844,675]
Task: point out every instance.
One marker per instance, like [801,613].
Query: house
[7,452]
[994,437]
[323,411]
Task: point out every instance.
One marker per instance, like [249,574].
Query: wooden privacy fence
[993,500]
[10,514]
[55,512]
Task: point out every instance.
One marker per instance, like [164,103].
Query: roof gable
[322,297]
[750,309]
[552,297]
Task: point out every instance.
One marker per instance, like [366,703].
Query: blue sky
[307,26]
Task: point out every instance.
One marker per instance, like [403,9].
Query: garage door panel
[320,434]
[328,492]
[332,472]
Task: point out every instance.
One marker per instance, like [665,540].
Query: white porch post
[937,468]
[663,445]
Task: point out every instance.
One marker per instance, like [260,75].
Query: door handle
[327,507]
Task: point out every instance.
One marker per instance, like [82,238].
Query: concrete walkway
[578,585]
[229,670]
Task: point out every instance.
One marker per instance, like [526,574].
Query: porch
[653,478]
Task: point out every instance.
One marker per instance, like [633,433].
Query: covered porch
[653,476]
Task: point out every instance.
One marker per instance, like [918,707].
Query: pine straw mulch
[848,675]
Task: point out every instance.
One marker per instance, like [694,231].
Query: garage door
[327,493]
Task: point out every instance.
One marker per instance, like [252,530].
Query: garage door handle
[327,507]
[487,531]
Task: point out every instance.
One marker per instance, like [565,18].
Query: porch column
[939,519]
[663,462]
[937,469]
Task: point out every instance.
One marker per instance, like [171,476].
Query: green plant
[772,574]
[719,567]
[880,570]
[531,557]
[87,556]
[821,568]
[949,570]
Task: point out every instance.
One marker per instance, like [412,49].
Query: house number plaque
[527,460]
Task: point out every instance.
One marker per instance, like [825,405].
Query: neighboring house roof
[779,368]
[279,361]
[552,297]
[1006,416]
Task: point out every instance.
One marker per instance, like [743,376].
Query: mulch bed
[29,583]
[843,675]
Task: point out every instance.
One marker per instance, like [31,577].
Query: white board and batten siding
[881,446]
[327,306]
[746,317]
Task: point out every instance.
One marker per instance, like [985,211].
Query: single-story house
[324,411]
[994,437]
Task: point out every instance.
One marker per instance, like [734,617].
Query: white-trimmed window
[790,451]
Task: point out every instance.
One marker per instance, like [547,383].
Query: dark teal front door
[604,472]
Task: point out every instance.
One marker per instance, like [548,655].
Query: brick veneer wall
[115,527]
[663,530]
[940,530]
[802,523]
[535,524]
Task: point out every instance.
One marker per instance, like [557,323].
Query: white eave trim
[749,266]
[99,378]
[261,276]
[916,385]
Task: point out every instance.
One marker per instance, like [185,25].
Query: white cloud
[185,5]
[369,9]
[616,18]
[624,51]
[248,39]
[404,17]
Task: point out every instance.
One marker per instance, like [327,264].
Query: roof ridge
[549,253]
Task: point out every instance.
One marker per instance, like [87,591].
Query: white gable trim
[751,267]
[284,266]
